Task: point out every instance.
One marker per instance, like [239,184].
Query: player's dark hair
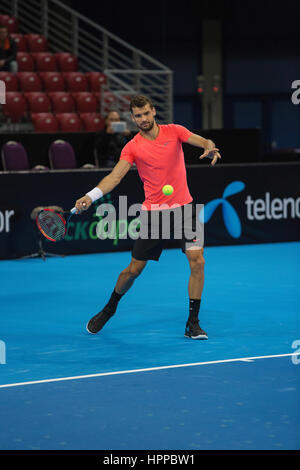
[139,101]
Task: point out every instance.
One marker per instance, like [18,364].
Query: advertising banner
[243,204]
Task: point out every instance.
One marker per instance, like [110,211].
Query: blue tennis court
[139,383]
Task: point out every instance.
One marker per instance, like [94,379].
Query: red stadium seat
[75,81]
[10,22]
[44,122]
[62,102]
[66,62]
[29,81]
[36,42]
[38,102]
[11,81]
[86,102]
[52,81]
[44,61]
[16,107]
[97,95]
[92,122]
[20,41]
[109,99]
[69,122]
[96,80]
[25,62]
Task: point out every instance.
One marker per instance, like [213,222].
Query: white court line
[103,374]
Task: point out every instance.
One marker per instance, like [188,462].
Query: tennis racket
[52,224]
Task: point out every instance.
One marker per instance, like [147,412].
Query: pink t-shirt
[160,162]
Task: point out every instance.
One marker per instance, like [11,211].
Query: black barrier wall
[244,204]
[37,145]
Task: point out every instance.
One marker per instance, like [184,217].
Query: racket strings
[52,225]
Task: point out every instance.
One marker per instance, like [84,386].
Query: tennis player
[157,153]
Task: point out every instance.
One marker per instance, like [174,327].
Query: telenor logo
[230,216]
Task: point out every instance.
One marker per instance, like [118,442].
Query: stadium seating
[49,89]
[86,102]
[66,62]
[44,61]
[29,81]
[44,122]
[52,81]
[20,41]
[95,80]
[62,102]
[16,107]
[11,81]
[10,22]
[25,62]
[75,81]
[92,122]
[69,122]
[38,102]
[36,43]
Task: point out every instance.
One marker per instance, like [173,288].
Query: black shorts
[159,226]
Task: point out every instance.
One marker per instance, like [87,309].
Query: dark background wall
[261,56]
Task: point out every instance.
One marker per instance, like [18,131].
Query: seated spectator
[8,52]
[108,143]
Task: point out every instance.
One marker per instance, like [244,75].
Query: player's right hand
[83,203]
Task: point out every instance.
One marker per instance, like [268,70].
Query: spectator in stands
[108,143]
[8,51]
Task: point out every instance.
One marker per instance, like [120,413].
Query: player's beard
[146,128]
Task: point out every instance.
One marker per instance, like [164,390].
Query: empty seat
[62,102]
[62,155]
[38,102]
[44,122]
[15,108]
[66,62]
[10,22]
[109,98]
[29,81]
[14,157]
[92,122]
[86,102]
[75,81]
[95,80]
[11,81]
[20,41]
[97,95]
[69,122]
[25,62]
[44,61]
[52,81]
[36,43]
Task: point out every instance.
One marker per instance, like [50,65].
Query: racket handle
[76,211]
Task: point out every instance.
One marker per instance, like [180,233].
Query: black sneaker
[193,330]
[98,321]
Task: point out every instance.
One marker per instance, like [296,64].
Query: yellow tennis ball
[167,189]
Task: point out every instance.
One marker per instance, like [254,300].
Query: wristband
[95,194]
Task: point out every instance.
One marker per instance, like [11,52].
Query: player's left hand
[213,154]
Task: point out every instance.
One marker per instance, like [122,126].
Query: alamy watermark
[2,352]
[296,354]
[296,94]
[161,222]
